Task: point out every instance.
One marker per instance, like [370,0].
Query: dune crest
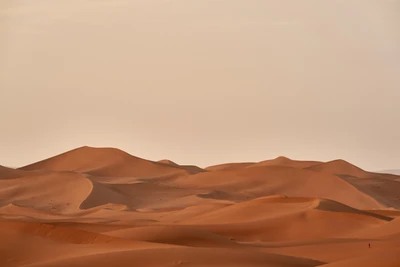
[284,161]
[339,167]
[105,207]
[104,162]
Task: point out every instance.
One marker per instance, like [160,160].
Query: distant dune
[105,162]
[279,161]
[396,172]
[104,207]
[339,167]
[168,162]
[284,161]
[229,166]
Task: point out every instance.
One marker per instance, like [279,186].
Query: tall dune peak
[83,157]
[285,161]
[168,162]
[340,167]
[282,158]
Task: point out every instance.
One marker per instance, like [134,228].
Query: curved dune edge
[182,256]
[106,162]
[59,233]
[332,250]
[174,235]
[285,219]
[388,230]
[96,207]
[339,167]
[269,180]
[382,259]
[229,166]
[284,161]
[57,192]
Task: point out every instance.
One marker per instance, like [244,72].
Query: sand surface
[104,207]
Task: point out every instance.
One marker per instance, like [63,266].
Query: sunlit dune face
[104,207]
[290,103]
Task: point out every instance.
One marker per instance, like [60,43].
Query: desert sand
[104,207]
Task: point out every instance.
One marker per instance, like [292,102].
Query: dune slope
[104,162]
[103,207]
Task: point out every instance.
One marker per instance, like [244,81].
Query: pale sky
[202,81]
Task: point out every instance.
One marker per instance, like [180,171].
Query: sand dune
[104,207]
[174,234]
[388,212]
[383,188]
[277,206]
[59,233]
[103,162]
[50,191]
[23,244]
[7,173]
[169,162]
[270,180]
[284,161]
[334,250]
[190,168]
[339,167]
[250,210]
[10,173]
[279,161]
[389,258]
[285,219]
[229,166]
[184,256]
[388,230]
[395,172]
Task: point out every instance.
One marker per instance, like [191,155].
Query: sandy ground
[104,207]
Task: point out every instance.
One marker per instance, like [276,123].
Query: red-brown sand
[103,207]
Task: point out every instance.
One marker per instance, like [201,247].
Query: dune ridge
[104,207]
[104,162]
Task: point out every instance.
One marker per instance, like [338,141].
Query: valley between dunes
[104,207]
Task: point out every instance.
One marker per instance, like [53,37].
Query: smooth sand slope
[284,161]
[104,207]
[271,180]
[105,162]
[230,166]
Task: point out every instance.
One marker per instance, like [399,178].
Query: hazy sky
[202,81]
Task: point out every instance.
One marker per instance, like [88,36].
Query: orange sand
[104,207]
